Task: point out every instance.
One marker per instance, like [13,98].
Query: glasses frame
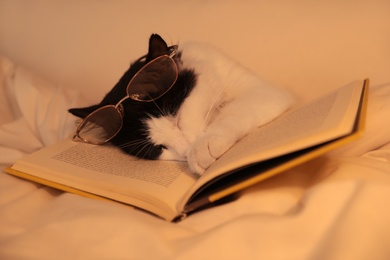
[119,107]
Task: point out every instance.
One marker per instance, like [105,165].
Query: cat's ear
[157,46]
[83,112]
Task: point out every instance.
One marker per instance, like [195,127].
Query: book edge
[53,184]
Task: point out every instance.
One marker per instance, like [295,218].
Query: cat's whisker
[214,106]
[143,147]
[150,149]
[133,145]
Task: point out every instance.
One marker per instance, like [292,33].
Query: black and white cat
[214,103]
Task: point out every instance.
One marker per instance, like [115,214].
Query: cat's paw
[207,149]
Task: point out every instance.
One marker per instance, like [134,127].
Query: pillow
[34,112]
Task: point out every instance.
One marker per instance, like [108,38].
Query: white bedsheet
[334,207]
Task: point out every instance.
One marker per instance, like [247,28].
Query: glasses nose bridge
[121,101]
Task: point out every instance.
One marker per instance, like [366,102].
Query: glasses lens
[101,125]
[153,80]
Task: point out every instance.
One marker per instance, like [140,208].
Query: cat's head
[134,136]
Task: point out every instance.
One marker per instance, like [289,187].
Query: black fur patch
[133,137]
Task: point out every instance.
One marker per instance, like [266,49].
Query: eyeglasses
[151,82]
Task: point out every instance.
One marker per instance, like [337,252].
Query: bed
[60,54]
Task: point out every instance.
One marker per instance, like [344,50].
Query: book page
[319,121]
[104,170]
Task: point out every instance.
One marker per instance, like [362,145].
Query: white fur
[227,103]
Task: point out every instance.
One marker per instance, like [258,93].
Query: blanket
[333,207]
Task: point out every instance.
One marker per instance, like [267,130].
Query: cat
[213,104]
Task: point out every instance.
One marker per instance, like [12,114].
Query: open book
[169,190]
